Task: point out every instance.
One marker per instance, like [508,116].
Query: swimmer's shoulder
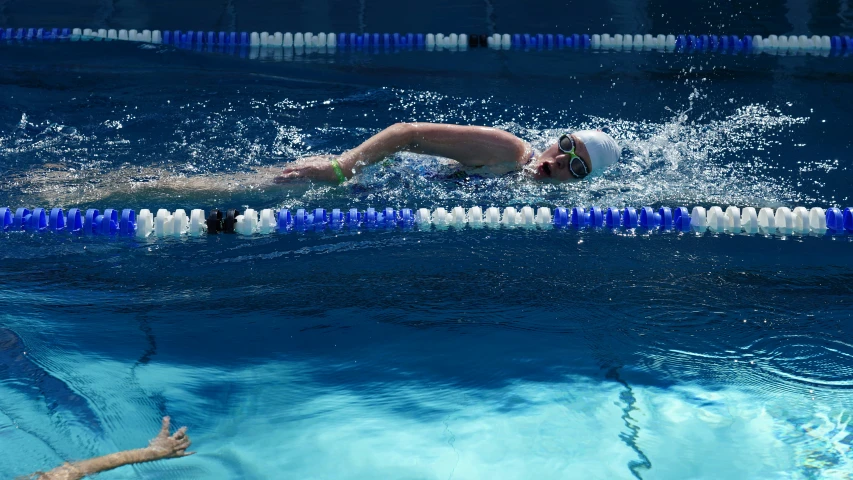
[529,154]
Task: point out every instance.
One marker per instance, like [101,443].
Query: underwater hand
[166,446]
[318,167]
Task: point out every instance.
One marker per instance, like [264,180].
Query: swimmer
[160,447]
[572,157]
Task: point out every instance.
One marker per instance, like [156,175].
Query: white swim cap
[603,149]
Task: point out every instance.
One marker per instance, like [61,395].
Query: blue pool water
[441,354]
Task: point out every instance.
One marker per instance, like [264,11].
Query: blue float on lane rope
[681,219]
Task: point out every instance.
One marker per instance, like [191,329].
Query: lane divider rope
[773,44]
[733,220]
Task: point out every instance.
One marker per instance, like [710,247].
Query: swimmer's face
[553,164]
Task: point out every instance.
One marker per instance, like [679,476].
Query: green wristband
[337,168]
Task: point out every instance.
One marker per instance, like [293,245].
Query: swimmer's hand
[160,447]
[317,167]
[170,446]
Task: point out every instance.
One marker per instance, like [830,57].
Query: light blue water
[441,354]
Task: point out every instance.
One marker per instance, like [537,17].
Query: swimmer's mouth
[546,169]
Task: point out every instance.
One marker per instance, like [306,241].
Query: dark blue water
[441,354]
[820,17]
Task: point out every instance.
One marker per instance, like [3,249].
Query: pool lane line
[127,223]
[238,42]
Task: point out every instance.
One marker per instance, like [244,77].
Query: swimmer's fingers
[292,172]
[182,443]
[315,169]
[287,177]
[314,158]
[170,446]
[164,429]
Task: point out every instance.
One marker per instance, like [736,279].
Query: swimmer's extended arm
[472,146]
[160,447]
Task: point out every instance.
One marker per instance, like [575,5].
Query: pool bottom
[273,420]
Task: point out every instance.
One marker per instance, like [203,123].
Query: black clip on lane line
[214,222]
[230,221]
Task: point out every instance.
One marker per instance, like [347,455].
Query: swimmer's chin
[535,173]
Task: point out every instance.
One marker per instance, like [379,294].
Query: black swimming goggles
[577,167]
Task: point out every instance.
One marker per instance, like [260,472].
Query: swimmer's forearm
[160,447]
[469,145]
[77,470]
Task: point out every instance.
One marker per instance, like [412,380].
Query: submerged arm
[160,447]
[472,146]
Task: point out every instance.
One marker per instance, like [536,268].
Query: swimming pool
[455,353]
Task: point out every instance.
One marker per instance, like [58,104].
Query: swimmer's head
[596,151]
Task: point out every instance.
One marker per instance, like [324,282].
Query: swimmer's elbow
[404,134]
